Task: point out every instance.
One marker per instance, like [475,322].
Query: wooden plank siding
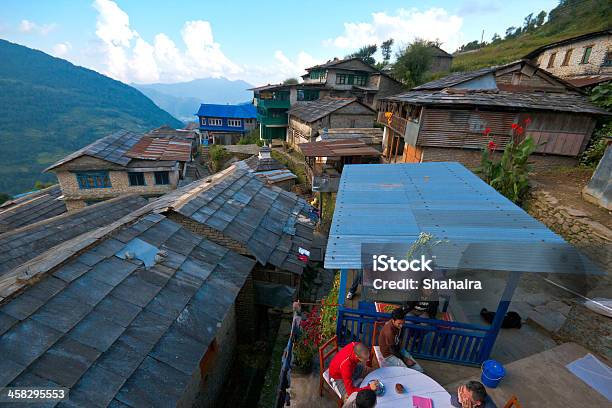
[560,134]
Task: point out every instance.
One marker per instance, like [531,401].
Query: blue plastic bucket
[492,373]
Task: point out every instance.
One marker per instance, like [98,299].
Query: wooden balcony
[397,124]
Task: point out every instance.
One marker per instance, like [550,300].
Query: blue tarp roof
[385,203]
[245,111]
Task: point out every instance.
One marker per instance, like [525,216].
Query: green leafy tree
[385,49]
[540,18]
[290,81]
[365,53]
[495,39]
[413,62]
[510,32]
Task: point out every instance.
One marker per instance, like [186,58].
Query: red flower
[491,146]
[514,125]
[487,131]
[527,121]
[519,130]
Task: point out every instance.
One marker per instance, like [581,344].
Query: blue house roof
[389,204]
[245,111]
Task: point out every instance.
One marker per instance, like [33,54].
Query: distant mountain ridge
[50,107]
[183,99]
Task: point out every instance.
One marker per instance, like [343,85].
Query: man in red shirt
[349,364]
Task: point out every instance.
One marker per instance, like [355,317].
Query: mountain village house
[122,163]
[226,124]
[308,119]
[348,78]
[584,61]
[445,120]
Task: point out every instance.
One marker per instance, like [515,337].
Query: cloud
[27,26]
[130,58]
[403,26]
[61,49]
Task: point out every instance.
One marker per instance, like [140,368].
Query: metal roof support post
[502,309]
[341,291]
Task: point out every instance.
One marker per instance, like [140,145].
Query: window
[234,122]
[360,80]
[586,55]
[215,122]
[551,60]
[203,121]
[608,60]
[568,55]
[341,79]
[307,95]
[136,179]
[93,179]
[162,178]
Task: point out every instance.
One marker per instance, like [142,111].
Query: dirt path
[566,185]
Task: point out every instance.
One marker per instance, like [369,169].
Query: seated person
[426,306]
[389,343]
[361,399]
[472,395]
[350,363]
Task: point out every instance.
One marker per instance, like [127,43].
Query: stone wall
[207,382]
[245,312]
[575,226]
[589,329]
[470,158]
[601,45]
[75,197]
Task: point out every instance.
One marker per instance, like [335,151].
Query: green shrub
[597,146]
[218,156]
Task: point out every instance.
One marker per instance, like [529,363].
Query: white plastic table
[414,382]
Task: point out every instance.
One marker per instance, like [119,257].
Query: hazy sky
[258,41]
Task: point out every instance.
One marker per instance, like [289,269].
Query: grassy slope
[575,17]
[49,107]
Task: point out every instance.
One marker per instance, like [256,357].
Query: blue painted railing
[452,342]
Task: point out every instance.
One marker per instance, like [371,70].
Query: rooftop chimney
[264,153]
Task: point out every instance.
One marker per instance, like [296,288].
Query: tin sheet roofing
[383,203]
[20,245]
[160,148]
[273,224]
[244,111]
[32,208]
[117,333]
[337,148]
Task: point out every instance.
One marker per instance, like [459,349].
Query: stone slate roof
[270,222]
[31,208]
[115,332]
[111,148]
[314,110]
[560,102]
[257,164]
[23,244]
[454,79]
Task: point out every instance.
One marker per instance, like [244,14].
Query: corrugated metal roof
[384,203]
[245,111]
[117,333]
[160,148]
